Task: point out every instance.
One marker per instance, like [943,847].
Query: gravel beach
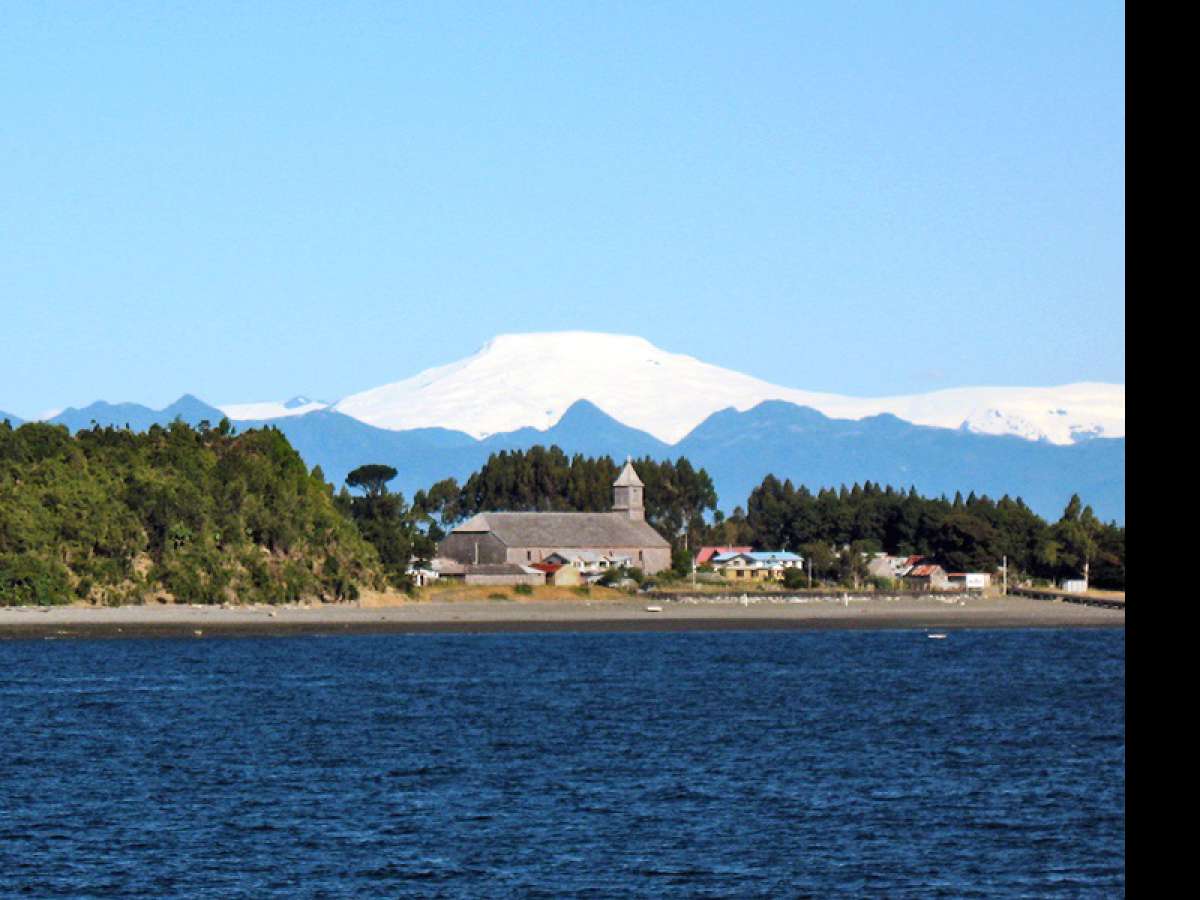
[639,614]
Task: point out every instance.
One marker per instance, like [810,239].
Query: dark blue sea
[779,764]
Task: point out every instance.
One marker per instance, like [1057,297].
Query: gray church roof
[565,529]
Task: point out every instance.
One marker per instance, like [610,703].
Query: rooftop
[628,477]
[565,530]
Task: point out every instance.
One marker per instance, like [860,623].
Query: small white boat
[937,636]
[653,609]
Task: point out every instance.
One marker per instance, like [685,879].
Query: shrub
[794,579]
[609,578]
[524,589]
[26,580]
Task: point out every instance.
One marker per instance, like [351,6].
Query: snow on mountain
[253,412]
[529,380]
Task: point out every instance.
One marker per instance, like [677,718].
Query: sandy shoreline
[545,616]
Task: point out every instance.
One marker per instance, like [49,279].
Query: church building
[522,538]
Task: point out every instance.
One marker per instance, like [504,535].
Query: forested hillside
[178,513]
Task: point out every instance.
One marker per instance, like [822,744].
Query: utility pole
[1004,569]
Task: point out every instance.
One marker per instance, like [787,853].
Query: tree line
[543,479]
[974,533]
[208,515]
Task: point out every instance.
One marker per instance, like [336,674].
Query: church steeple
[627,492]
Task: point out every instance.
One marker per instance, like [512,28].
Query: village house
[883,565]
[969,581]
[705,554]
[755,566]
[923,574]
[620,537]
[587,562]
[559,574]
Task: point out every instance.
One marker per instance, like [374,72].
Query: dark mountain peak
[781,411]
[190,405]
[582,428]
[136,416]
[585,412]
[768,416]
[887,420]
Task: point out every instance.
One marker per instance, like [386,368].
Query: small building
[446,569]
[503,573]
[1075,586]
[926,576]
[422,575]
[969,581]
[588,562]
[704,557]
[883,565]
[559,574]
[756,566]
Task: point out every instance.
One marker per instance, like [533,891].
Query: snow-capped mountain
[254,412]
[529,380]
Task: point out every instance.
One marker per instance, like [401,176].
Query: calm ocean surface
[599,765]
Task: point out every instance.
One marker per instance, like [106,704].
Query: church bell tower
[627,493]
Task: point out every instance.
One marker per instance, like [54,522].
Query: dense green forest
[194,515]
[972,534]
[204,515]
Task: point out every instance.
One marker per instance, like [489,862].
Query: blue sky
[249,201]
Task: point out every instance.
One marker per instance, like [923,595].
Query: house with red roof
[925,574]
[706,554]
[558,573]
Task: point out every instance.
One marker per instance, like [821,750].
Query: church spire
[627,492]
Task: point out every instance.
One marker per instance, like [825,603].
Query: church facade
[523,538]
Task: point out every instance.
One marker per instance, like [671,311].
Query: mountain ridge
[529,380]
[738,448]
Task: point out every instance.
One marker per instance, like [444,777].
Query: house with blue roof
[756,565]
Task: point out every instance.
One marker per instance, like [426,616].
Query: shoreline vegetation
[181,516]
